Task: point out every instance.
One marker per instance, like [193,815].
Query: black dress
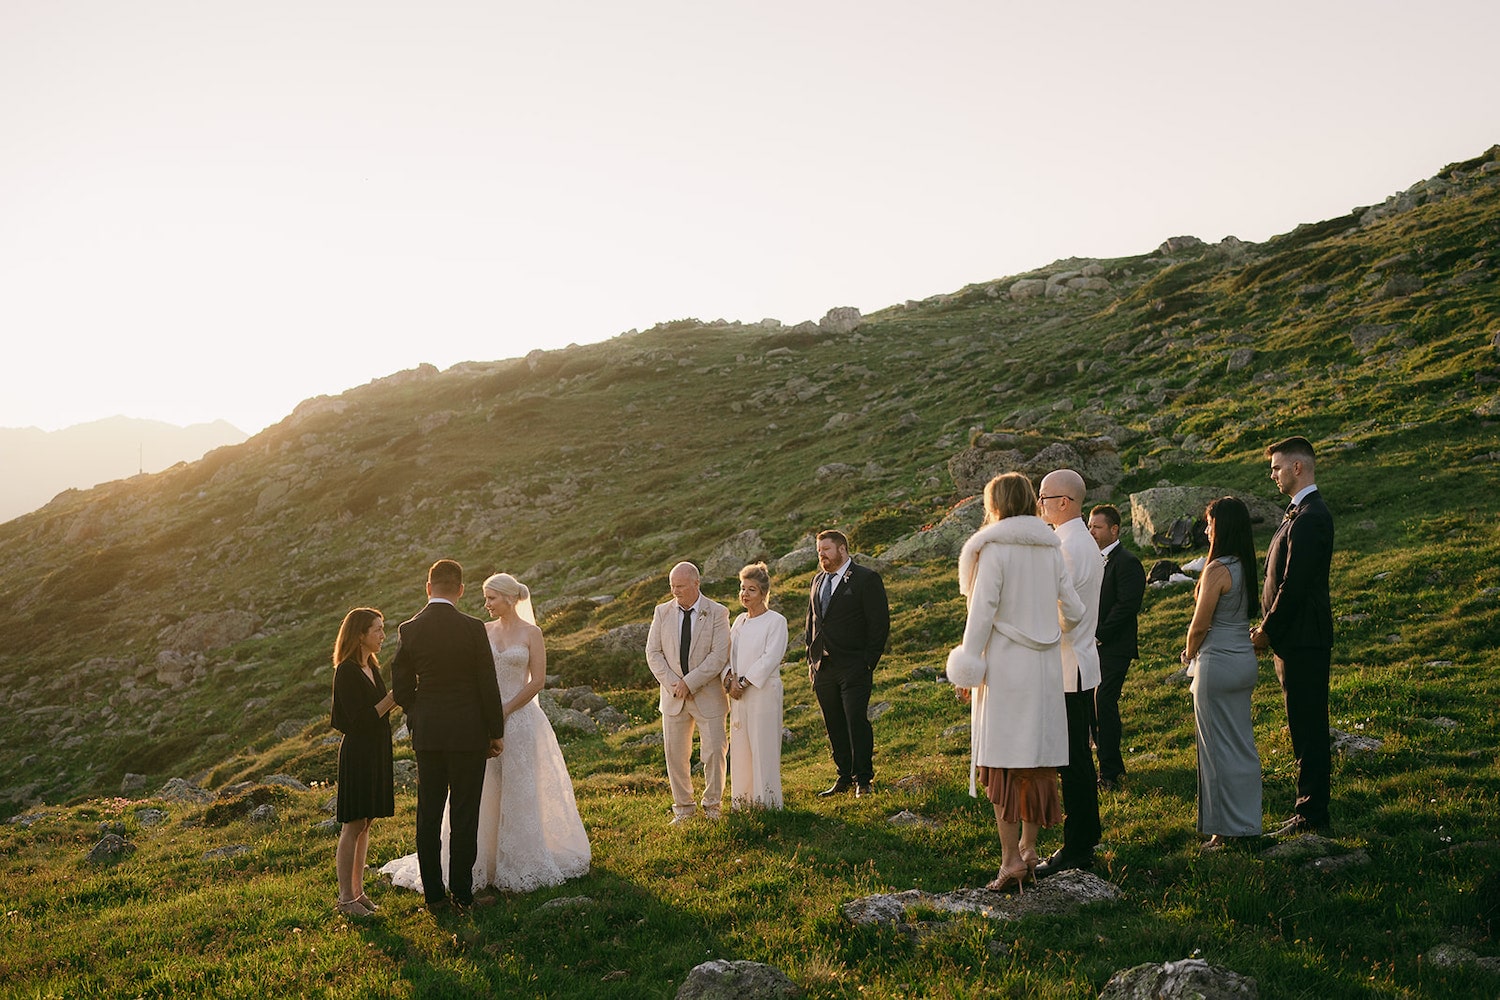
[366,788]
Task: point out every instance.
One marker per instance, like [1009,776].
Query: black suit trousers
[453,778]
[843,693]
[1104,724]
[1303,674]
[1080,782]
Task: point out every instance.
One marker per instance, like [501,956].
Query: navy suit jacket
[853,631]
[1120,595]
[1295,602]
[444,678]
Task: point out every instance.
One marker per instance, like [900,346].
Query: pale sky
[214,209]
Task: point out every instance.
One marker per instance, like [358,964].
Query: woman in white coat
[1010,668]
[757,641]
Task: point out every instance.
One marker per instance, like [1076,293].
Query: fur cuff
[964,669]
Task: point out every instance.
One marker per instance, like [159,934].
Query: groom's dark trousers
[444,678]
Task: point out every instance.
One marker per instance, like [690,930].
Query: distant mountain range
[40,464]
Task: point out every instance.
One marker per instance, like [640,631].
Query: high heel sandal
[364,901]
[351,908]
[1032,860]
[1009,876]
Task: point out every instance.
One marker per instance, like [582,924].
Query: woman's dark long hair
[1232,537]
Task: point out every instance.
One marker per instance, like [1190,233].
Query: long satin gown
[1224,675]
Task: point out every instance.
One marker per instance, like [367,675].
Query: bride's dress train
[530,834]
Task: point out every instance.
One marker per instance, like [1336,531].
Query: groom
[444,678]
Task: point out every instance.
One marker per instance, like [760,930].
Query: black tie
[687,640]
[826,594]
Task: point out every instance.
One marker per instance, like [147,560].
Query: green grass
[571,476]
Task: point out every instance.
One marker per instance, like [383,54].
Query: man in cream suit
[1060,503]
[688,649]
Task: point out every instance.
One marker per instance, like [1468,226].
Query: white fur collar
[1022,529]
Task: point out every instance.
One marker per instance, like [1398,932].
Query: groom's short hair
[445,577]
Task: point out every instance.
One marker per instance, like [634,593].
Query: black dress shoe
[837,788]
[1111,784]
[1062,861]
[863,788]
[436,906]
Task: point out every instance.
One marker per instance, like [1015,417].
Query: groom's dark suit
[444,678]
[1299,625]
[844,643]
[1120,595]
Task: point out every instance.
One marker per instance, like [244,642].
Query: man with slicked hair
[444,678]
[1297,626]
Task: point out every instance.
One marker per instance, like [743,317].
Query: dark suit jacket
[1298,611]
[853,631]
[1120,595]
[444,678]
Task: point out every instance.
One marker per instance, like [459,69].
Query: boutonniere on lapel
[1291,514]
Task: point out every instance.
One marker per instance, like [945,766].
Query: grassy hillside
[179,624]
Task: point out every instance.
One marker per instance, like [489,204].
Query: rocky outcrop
[943,540]
[1170,518]
[1096,459]
[1189,979]
[737,980]
[733,554]
[1064,892]
[840,319]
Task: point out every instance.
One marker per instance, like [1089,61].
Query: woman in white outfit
[530,834]
[757,641]
[1010,668]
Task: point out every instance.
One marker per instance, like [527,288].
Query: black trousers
[455,779]
[843,693]
[1080,788]
[1303,674]
[1104,722]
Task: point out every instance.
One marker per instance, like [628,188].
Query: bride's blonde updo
[504,583]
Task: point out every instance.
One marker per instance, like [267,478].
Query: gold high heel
[1002,881]
[1032,860]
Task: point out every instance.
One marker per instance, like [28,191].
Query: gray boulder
[110,847]
[132,785]
[627,638]
[1065,892]
[1096,459]
[178,790]
[1189,979]
[148,817]
[1028,288]
[723,979]
[799,560]
[840,319]
[1156,514]
[733,554]
[285,781]
[943,540]
[263,813]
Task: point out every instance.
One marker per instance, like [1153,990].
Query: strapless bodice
[510,668]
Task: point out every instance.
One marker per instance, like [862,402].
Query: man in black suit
[444,678]
[1298,626]
[848,621]
[1120,597]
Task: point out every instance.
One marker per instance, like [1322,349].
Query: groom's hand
[496,745]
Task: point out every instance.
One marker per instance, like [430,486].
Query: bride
[531,836]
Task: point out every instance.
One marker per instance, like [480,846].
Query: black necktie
[687,640]
[826,594]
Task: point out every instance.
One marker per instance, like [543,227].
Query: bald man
[1060,504]
[687,649]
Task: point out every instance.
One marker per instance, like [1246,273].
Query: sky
[214,210]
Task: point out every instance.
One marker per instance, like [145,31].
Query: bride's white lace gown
[530,834]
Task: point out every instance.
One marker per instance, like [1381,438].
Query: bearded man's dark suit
[1120,595]
[844,643]
[1299,625]
[444,679]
